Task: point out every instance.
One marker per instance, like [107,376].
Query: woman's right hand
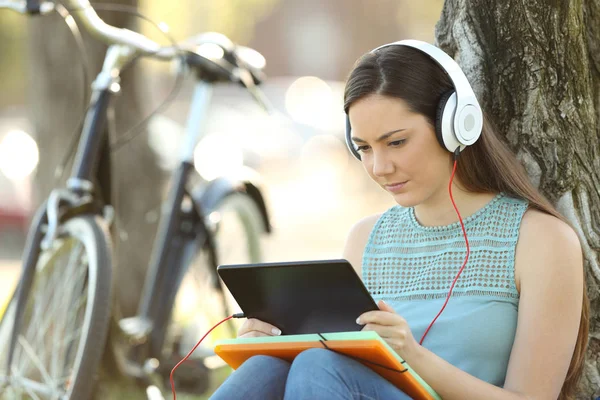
[253,327]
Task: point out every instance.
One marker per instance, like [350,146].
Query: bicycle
[51,343]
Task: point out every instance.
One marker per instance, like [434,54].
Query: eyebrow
[380,138]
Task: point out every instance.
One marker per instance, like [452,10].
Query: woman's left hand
[391,327]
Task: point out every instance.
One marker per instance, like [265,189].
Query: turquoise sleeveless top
[411,267]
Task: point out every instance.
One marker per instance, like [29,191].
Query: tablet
[300,297]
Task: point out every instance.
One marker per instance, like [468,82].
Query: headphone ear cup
[444,123]
[439,118]
[349,143]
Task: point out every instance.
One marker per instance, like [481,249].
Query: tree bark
[536,68]
[56,101]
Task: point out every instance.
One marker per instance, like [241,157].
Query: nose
[382,164]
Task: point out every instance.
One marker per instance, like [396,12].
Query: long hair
[487,166]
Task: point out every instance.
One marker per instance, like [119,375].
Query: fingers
[252,334]
[386,332]
[380,318]
[383,306]
[390,326]
[253,327]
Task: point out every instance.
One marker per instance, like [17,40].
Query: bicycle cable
[65,13]
[130,134]
[85,66]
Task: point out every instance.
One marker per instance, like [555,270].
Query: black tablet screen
[300,297]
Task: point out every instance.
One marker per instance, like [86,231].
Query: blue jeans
[315,374]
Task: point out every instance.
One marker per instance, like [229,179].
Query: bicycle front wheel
[65,319]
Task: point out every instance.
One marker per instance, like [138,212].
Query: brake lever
[247,80]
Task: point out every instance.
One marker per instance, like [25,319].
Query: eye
[397,143]
[363,148]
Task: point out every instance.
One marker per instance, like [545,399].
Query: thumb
[383,306]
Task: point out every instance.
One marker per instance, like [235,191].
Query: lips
[395,187]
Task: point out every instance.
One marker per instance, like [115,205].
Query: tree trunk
[56,90]
[536,65]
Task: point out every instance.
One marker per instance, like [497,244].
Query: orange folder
[366,347]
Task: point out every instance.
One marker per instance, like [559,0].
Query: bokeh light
[311,101]
[19,155]
[324,158]
[216,156]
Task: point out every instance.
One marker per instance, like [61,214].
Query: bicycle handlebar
[245,72]
[96,26]
[112,35]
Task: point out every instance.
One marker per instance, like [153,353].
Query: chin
[406,199]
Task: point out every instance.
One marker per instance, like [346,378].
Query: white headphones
[459,119]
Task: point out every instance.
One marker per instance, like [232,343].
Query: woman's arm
[549,270]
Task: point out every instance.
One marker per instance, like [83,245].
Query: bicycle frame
[90,144]
[155,286]
[164,275]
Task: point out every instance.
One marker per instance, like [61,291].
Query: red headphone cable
[240,315]
[456,153]
[426,331]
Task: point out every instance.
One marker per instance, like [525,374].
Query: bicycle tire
[199,276]
[82,240]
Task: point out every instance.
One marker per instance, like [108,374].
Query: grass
[220,375]
[128,389]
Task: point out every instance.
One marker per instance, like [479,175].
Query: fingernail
[358,321]
[275,331]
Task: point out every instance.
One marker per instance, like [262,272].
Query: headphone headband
[459,119]
[466,101]
[447,63]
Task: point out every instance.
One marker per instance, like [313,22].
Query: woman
[516,321]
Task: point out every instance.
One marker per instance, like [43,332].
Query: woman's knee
[318,363]
[318,357]
[259,377]
[317,373]
[322,365]
[266,363]
[321,373]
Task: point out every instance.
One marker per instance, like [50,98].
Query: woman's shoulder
[357,240]
[539,226]
[546,244]
[364,226]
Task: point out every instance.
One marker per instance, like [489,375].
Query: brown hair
[487,166]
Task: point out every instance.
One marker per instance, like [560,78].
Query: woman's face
[399,150]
